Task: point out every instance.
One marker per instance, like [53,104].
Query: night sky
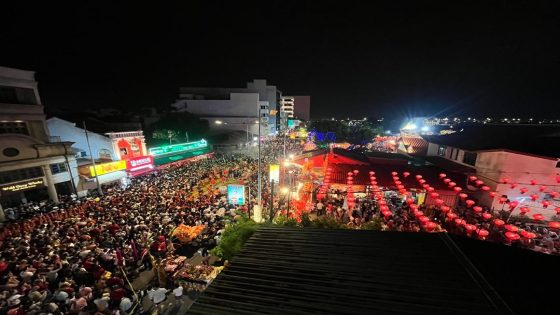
[355,59]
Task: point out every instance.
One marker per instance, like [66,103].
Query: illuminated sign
[139,163]
[274,174]
[106,168]
[176,148]
[22,186]
[236,194]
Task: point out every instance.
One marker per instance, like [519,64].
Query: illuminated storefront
[177,152]
[128,145]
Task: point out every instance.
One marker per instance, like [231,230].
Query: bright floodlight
[410,126]
[425,128]
[388,132]
[255,138]
[218,122]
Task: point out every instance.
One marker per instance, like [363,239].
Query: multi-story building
[32,165]
[241,109]
[286,111]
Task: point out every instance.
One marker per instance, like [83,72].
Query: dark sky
[354,58]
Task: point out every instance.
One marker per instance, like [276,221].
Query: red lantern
[545,204]
[557,209]
[505,180]
[445,208]
[534,197]
[554,194]
[409,200]
[398,182]
[400,186]
[538,216]
[542,188]
[430,189]
[523,190]
[413,206]
[430,226]
[483,233]
[447,180]
[457,189]
[371,173]
[477,209]
[524,210]
[513,204]
[512,236]
[469,203]
[451,215]
[374,183]
[529,235]
[513,185]
[442,175]
[418,213]
[406,174]
[511,228]
[439,201]
[424,219]
[503,200]
[463,195]
[554,225]
[479,182]
[382,202]
[472,178]
[387,213]
[493,194]
[418,176]
[485,188]
[459,221]
[422,181]
[470,227]
[356,171]
[499,222]
[533,181]
[349,178]
[452,184]
[434,195]
[486,216]
[350,174]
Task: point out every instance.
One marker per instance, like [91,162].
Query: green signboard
[161,160]
[178,148]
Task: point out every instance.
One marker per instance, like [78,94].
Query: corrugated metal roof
[317,271]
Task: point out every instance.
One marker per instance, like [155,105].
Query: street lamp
[218,122]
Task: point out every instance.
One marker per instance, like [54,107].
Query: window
[14,127]
[105,154]
[470,158]
[8,95]
[10,152]
[16,95]
[441,150]
[58,168]
[454,154]
[21,174]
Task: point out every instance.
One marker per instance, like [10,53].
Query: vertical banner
[236,194]
[274,174]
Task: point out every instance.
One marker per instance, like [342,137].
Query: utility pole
[99,190]
[271,201]
[259,162]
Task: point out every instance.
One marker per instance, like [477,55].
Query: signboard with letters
[139,162]
[176,148]
[274,174]
[106,168]
[22,186]
[236,194]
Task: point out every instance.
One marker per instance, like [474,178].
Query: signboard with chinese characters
[236,194]
[274,174]
[106,168]
[22,186]
[139,163]
[177,148]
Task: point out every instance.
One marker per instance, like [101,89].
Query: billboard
[142,162]
[106,168]
[236,194]
[177,148]
[22,186]
[274,174]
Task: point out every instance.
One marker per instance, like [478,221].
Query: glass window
[441,150]
[105,154]
[470,158]
[21,174]
[14,127]
[58,168]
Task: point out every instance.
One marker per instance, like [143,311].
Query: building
[103,152]
[507,158]
[33,166]
[233,108]
[286,111]
[302,107]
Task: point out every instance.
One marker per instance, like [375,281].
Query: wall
[68,132]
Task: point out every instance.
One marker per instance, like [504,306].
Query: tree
[177,127]
[353,131]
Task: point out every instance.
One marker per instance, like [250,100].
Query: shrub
[233,238]
[327,223]
[376,224]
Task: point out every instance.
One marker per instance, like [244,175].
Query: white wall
[239,104]
[67,131]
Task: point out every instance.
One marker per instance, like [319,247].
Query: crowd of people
[366,209]
[78,256]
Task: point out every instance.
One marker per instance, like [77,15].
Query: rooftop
[541,140]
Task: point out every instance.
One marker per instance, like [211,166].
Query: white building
[233,108]
[32,165]
[102,149]
[527,157]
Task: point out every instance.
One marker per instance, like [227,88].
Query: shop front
[14,194]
